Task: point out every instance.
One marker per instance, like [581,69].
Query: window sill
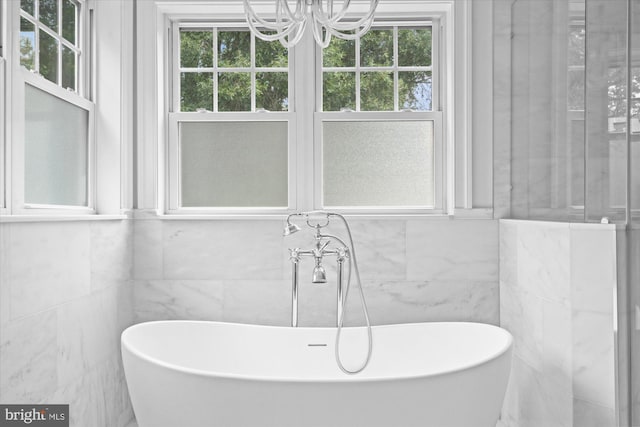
[151,214]
[61,218]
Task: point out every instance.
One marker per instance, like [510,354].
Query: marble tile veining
[452,250]
[178,299]
[29,358]
[111,253]
[556,300]
[219,250]
[147,249]
[83,344]
[58,271]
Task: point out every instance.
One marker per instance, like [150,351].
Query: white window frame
[173,196]
[155,94]
[435,115]
[176,117]
[20,77]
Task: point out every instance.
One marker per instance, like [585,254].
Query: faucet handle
[294,255]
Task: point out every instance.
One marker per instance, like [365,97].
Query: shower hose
[353,265]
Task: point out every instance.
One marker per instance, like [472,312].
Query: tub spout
[319,274]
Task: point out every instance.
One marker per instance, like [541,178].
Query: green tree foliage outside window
[50,48]
[376,54]
[233,71]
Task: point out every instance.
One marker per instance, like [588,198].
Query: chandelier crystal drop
[326,19]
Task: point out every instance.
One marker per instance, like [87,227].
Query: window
[379,128]
[363,126]
[53,113]
[232,123]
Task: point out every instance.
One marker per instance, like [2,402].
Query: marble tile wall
[65,296]
[239,271]
[557,284]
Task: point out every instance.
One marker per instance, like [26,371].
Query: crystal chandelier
[326,20]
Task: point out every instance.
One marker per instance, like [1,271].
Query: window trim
[153,26]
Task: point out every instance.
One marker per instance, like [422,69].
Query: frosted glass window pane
[378,163]
[56,135]
[233,164]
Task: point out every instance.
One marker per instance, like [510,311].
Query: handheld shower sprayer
[318,220]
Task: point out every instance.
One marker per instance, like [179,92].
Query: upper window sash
[359,70]
[216,70]
[68,37]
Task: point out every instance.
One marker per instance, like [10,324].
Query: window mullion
[252,56]
[59,40]
[396,105]
[215,69]
[357,74]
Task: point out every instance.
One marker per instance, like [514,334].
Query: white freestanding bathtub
[197,374]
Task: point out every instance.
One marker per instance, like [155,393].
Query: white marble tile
[87,334]
[557,353]
[587,414]
[48,265]
[593,269]
[317,304]
[111,253]
[558,399]
[125,309]
[80,395]
[178,300]
[98,398]
[543,260]
[557,364]
[5,286]
[509,415]
[508,253]
[406,302]
[529,344]
[452,250]
[28,358]
[221,250]
[532,410]
[265,302]
[593,358]
[380,248]
[511,312]
[147,249]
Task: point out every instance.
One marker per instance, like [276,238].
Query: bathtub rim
[347,378]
